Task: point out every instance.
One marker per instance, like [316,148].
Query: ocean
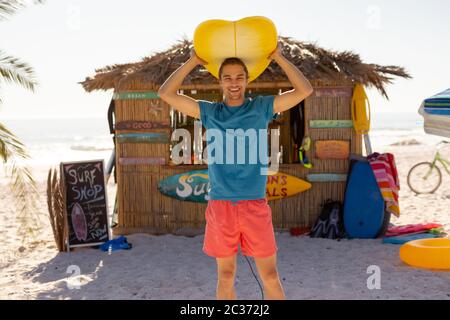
[50,141]
[53,140]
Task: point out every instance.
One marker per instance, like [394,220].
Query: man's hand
[196,58]
[276,53]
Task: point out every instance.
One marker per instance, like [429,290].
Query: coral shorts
[247,223]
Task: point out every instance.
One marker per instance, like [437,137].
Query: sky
[65,41]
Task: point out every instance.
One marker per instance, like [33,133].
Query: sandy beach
[92,81]
[174,267]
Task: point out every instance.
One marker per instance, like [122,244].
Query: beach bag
[330,223]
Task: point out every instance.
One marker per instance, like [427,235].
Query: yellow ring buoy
[427,253]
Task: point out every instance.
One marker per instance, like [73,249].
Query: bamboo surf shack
[142,125]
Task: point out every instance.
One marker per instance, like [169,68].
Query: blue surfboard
[187,186]
[364,207]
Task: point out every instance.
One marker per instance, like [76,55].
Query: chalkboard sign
[86,203]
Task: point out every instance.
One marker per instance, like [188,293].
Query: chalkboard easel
[86,203]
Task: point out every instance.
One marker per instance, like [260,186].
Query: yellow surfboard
[251,39]
[281,185]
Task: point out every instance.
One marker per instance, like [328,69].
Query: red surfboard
[79,222]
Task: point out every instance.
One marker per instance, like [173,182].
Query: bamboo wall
[142,208]
[139,202]
[326,108]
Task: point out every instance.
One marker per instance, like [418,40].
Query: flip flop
[116,244]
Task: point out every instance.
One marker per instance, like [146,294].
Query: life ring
[427,253]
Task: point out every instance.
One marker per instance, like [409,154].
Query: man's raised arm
[302,87]
[169,90]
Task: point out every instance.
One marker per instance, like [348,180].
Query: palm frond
[23,186]
[55,203]
[24,190]
[10,7]
[12,150]
[12,70]
[10,146]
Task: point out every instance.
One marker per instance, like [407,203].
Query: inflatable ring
[427,253]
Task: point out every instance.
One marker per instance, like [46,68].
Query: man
[238,212]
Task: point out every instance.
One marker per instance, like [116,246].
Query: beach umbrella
[436,113]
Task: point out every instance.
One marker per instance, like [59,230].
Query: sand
[174,267]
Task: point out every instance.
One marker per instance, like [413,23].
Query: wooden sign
[153,137]
[135,95]
[142,161]
[332,149]
[326,177]
[330,124]
[193,186]
[154,103]
[154,107]
[141,125]
[345,92]
[86,203]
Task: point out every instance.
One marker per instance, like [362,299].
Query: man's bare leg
[267,269]
[226,272]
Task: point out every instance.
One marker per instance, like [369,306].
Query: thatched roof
[316,64]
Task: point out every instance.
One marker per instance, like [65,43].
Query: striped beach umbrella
[438,104]
[436,113]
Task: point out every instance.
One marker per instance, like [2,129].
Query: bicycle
[426,177]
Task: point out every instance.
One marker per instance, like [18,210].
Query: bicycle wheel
[424,178]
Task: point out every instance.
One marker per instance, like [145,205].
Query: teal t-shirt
[237,146]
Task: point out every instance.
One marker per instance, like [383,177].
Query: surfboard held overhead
[252,39]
